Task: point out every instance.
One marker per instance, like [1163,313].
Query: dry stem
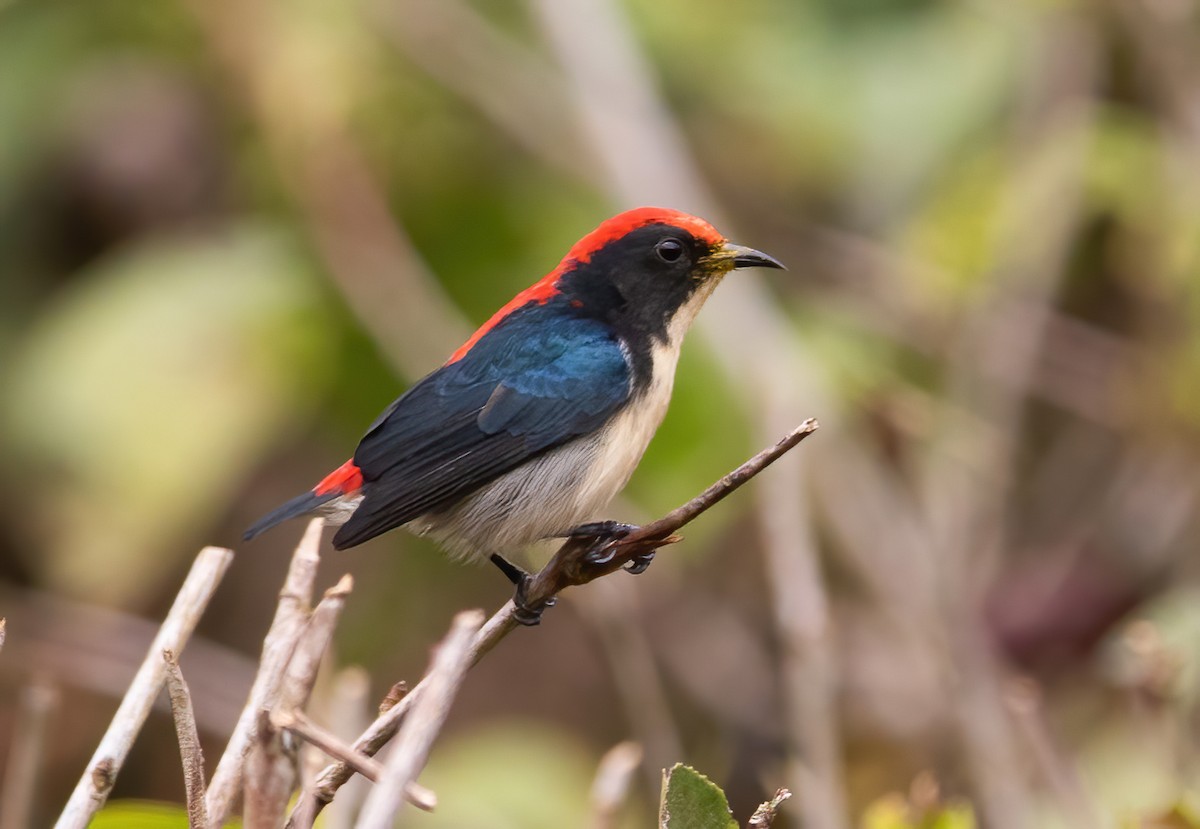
[285,631]
[190,753]
[96,782]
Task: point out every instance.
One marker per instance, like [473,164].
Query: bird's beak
[743,257]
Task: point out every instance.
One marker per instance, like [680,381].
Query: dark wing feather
[534,382]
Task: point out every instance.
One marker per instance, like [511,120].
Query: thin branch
[574,564]
[35,707]
[300,725]
[611,785]
[449,668]
[272,766]
[286,628]
[190,752]
[565,569]
[97,781]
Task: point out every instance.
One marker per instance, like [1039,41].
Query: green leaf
[692,801]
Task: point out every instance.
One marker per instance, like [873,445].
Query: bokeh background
[232,231]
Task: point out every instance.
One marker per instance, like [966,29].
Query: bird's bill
[733,256]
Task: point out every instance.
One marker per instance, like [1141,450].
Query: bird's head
[649,270]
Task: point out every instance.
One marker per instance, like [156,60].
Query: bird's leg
[527,614]
[511,571]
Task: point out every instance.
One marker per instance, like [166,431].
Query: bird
[539,419]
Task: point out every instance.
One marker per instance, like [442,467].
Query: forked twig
[291,616]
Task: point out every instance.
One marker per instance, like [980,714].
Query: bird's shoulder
[540,373]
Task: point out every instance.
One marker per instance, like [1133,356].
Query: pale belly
[551,495]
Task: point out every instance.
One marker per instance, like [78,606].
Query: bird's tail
[300,505]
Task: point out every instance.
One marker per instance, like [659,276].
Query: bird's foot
[527,613]
[605,534]
[602,530]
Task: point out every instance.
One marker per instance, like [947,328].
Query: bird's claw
[638,564]
[529,613]
[604,535]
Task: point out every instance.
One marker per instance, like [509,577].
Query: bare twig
[565,569]
[765,814]
[35,706]
[93,788]
[272,766]
[285,631]
[300,725]
[573,564]
[450,665]
[611,785]
[370,768]
[190,752]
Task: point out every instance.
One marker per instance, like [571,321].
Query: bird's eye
[669,250]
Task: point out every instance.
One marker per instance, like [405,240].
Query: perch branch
[446,674]
[93,788]
[564,570]
[190,753]
[291,615]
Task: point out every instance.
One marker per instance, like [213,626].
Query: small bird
[538,420]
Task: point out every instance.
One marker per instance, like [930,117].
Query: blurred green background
[232,232]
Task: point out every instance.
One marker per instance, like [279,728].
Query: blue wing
[535,381]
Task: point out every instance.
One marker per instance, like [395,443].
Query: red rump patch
[345,479]
[545,288]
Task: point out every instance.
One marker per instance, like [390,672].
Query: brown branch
[190,753]
[300,725]
[97,780]
[287,627]
[575,562]
[564,570]
[445,676]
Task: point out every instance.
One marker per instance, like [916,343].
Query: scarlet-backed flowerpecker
[538,420]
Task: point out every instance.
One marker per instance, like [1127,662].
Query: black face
[638,282]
